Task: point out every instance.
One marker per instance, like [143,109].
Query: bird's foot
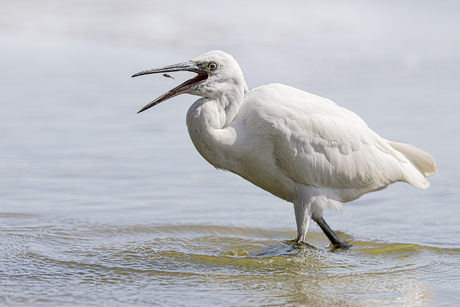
[298,243]
[301,245]
[343,244]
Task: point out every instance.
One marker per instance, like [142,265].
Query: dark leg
[338,243]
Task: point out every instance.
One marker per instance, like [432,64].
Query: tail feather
[420,158]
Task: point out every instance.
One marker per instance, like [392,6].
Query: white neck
[209,124]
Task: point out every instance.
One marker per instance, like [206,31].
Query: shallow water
[101,206]
[207,265]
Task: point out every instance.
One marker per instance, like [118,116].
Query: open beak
[185,87]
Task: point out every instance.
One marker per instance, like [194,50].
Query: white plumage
[298,146]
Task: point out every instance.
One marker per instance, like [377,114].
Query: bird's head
[217,72]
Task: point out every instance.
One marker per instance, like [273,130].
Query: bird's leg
[338,243]
[302,218]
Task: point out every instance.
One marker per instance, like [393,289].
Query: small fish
[168,76]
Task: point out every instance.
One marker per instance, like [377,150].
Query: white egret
[300,147]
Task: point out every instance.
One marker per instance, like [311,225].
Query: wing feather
[321,144]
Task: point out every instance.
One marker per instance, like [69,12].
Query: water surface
[101,206]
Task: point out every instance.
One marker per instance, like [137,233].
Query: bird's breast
[239,150]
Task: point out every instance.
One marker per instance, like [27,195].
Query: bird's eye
[212,66]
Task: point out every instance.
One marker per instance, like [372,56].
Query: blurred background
[89,188]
